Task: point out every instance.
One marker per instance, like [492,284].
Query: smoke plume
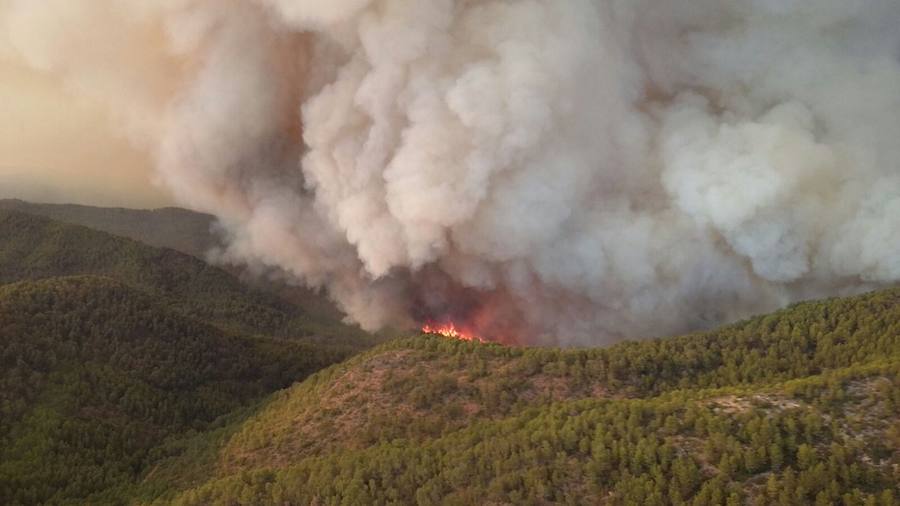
[542,171]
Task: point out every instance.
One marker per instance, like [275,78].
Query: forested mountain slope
[115,356]
[132,374]
[798,407]
[97,375]
[173,228]
[34,247]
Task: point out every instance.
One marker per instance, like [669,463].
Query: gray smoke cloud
[541,171]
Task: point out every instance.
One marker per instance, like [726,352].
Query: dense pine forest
[98,375]
[140,375]
[116,354]
[798,407]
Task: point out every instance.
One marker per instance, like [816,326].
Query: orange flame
[450,330]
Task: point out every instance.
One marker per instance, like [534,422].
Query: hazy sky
[56,148]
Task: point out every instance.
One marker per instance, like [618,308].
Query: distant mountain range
[171,227]
[133,374]
[175,228]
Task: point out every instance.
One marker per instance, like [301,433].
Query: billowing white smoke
[546,171]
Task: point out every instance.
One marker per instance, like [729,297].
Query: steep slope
[97,375]
[795,407]
[34,247]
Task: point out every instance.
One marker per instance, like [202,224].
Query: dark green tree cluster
[95,375]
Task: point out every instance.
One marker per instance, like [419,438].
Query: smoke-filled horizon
[56,148]
[537,171]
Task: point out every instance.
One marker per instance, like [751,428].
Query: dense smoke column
[536,171]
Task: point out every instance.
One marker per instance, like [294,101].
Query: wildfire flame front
[450,330]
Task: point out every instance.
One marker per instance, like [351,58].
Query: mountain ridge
[176,228]
[166,227]
[32,247]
